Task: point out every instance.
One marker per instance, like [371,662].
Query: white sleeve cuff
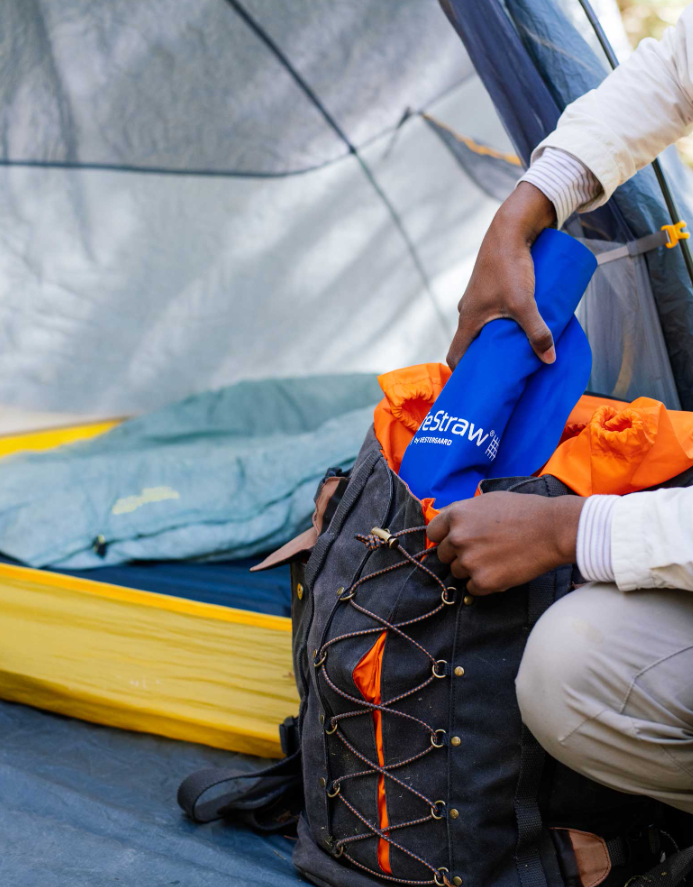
[594,539]
[566,181]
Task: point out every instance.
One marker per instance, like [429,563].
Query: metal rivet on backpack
[455,741]
[299,591]
[459,671]
[457,881]
[322,719]
[322,782]
[453,814]
[340,591]
[468,600]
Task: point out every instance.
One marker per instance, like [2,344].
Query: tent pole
[659,172]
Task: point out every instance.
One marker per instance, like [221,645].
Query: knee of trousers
[560,680]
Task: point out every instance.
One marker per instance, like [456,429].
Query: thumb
[537,332]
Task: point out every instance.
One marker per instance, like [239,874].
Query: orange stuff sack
[409,395]
[623,448]
[607,447]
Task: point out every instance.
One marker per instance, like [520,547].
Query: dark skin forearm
[500,540]
[502,282]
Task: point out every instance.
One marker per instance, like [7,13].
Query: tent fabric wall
[187,199]
[619,314]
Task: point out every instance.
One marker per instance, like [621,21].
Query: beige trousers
[606,686]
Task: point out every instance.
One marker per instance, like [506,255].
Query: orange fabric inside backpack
[366,676]
[608,446]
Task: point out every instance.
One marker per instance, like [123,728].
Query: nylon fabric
[367,678]
[50,438]
[150,159]
[229,474]
[607,446]
[624,450]
[148,662]
[91,806]
[222,583]
[500,388]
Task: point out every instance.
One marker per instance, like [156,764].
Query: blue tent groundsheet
[90,806]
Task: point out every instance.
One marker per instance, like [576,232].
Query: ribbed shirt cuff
[566,181]
[594,539]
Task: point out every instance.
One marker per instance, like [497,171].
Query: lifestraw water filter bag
[502,412]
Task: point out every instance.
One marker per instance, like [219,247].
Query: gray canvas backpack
[471,798]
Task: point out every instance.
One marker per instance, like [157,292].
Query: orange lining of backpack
[366,675]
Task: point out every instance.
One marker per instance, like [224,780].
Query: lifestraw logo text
[444,422]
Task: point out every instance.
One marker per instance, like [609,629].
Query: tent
[195,194]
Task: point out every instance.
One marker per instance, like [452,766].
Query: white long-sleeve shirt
[642,107]
[644,540]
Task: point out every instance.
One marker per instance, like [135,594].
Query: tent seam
[245,16]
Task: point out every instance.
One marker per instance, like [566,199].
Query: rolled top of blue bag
[481,413]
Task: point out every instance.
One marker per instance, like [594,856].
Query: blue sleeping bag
[502,411]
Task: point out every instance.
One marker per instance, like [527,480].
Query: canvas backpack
[471,798]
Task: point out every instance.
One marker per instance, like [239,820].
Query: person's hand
[502,282]
[500,540]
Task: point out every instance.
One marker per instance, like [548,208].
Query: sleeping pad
[228,473]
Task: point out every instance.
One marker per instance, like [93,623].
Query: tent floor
[90,806]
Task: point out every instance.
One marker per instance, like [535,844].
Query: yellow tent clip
[676,233]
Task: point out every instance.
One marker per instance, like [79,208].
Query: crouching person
[606,681]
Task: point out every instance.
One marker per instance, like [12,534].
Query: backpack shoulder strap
[270,803]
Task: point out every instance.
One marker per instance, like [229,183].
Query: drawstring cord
[376,539]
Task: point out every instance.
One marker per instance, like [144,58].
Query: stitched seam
[663,748]
[582,724]
[646,669]
[674,761]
